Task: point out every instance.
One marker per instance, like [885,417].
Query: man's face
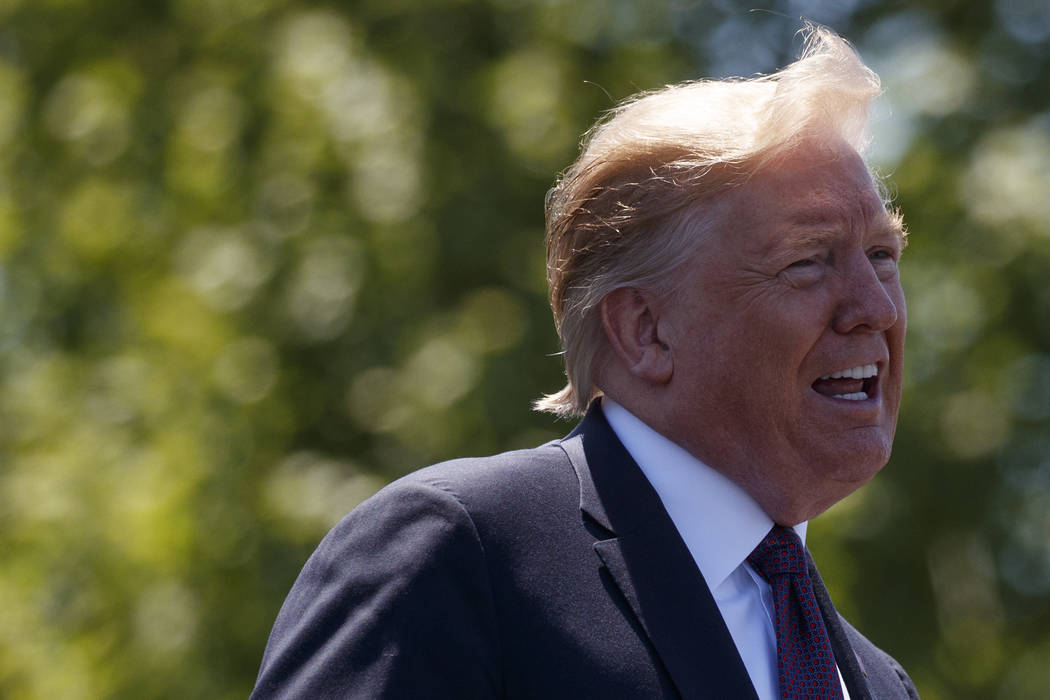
[788,335]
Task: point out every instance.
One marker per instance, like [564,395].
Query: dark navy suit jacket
[546,573]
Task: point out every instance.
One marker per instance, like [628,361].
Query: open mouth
[853,384]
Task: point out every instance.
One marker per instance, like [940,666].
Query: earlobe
[631,321]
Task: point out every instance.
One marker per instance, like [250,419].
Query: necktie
[805,663]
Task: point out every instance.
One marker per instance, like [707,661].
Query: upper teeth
[861,372]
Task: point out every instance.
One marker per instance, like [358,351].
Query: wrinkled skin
[800,281]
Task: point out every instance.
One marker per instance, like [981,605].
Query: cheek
[896,292]
[897,334]
[784,347]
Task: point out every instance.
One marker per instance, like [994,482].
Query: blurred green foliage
[259,257]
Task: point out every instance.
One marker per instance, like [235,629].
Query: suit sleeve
[395,603]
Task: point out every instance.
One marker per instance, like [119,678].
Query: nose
[865,301]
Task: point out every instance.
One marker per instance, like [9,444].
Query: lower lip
[846,400]
[870,387]
[866,405]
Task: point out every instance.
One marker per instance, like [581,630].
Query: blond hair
[630,210]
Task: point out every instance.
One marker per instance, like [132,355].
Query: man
[723,274]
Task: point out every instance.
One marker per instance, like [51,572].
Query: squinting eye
[803,273]
[880,255]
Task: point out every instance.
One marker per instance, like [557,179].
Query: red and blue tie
[805,663]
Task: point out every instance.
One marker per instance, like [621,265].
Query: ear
[631,319]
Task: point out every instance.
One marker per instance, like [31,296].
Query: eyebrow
[814,228]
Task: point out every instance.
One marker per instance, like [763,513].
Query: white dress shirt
[721,525]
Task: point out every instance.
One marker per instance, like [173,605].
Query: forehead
[806,196]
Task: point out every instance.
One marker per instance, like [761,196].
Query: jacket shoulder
[884,674]
[399,599]
[511,480]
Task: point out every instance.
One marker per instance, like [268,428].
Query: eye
[883,257]
[804,272]
[884,260]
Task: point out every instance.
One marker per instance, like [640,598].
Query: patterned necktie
[805,663]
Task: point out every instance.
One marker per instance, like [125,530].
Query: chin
[856,468]
[859,458]
[830,488]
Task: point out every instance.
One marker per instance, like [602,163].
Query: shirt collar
[720,523]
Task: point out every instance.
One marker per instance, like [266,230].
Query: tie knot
[779,553]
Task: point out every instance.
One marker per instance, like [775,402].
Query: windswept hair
[630,210]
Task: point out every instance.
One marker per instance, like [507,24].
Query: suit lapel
[652,568]
[849,663]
